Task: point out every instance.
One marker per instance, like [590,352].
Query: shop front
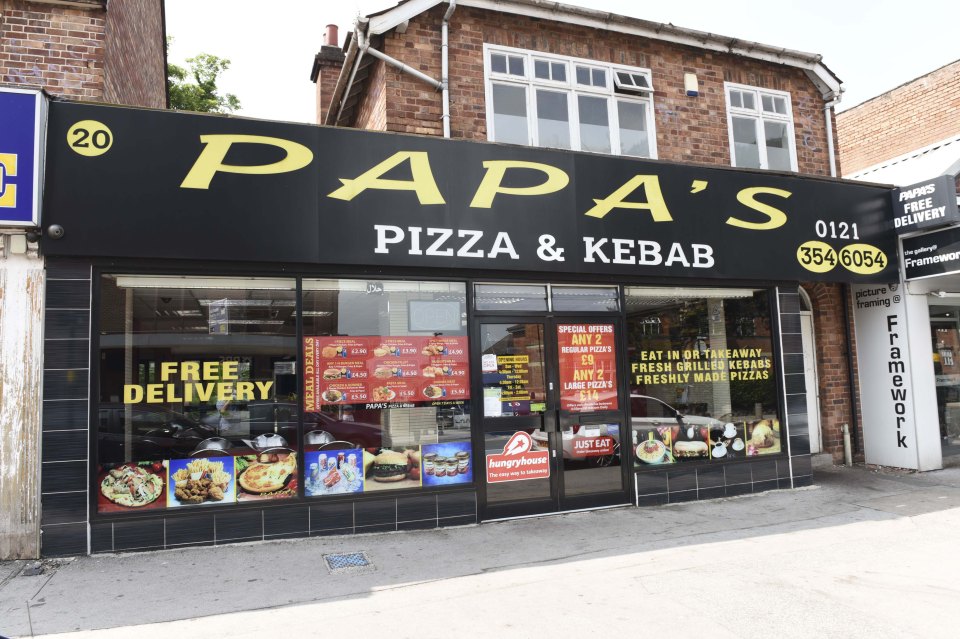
[909,372]
[273,330]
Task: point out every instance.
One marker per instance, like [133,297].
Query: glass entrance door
[552,415]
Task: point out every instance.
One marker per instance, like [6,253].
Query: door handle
[550,385]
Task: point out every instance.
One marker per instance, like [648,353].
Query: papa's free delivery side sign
[154,184]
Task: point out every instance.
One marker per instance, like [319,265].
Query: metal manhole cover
[345,561]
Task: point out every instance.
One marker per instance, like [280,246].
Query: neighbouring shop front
[910,379]
[273,330]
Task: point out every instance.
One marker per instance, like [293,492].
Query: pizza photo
[132,485]
[269,478]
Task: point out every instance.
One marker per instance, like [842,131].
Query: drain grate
[345,561]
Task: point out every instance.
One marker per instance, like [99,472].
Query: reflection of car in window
[153,434]
[265,416]
[650,412]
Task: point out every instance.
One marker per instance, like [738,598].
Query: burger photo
[390,466]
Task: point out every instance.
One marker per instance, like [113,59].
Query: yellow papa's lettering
[655,202]
[211,159]
[777,217]
[496,169]
[422,183]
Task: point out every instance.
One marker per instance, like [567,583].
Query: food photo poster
[333,472]
[447,463]
[201,481]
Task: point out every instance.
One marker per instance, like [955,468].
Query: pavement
[862,553]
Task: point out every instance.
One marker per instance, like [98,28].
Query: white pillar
[21,380]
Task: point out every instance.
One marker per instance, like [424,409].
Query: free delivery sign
[21,122]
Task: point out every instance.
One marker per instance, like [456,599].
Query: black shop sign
[925,205]
[174,185]
[933,254]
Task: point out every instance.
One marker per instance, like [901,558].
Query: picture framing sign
[22,114]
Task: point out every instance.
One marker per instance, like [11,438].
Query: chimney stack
[326,69]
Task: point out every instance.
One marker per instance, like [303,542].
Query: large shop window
[198,383]
[702,383]
[760,122]
[200,402]
[560,102]
[386,380]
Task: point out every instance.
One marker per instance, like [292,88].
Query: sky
[871,46]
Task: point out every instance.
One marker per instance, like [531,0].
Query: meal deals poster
[382,371]
[588,367]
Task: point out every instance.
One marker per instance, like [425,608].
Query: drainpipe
[851,381]
[445,66]
[361,48]
[364,45]
[830,152]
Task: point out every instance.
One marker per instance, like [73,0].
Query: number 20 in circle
[90,138]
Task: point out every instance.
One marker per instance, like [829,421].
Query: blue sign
[20,135]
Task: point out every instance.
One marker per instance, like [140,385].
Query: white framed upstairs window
[760,124]
[546,100]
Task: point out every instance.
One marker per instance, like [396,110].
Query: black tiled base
[736,490]
[464,520]
[63,540]
[144,534]
[678,484]
[424,524]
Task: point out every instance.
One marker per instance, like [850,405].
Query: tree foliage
[195,88]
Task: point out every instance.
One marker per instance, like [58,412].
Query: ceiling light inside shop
[394,286]
[255,303]
[688,293]
[229,283]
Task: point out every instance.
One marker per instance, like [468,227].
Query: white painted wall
[810,380]
[21,381]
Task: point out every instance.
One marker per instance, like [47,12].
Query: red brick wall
[134,59]
[54,47]
[372,108]
[688,129]
[912,116]
[830,334]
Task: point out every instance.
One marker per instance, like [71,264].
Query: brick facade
[688,130]
[134,60]
[372,111]
[914,115]
[327,65]
[56,47]
[86,53]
